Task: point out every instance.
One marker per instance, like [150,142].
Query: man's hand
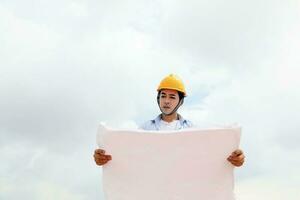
[237,158]
[100,157]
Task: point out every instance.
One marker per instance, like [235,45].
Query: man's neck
[169,118]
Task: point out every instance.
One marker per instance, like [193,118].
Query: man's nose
[167,101]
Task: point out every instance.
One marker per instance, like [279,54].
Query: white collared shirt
[174,125]
[155,124]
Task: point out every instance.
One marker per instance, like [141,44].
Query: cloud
[34,172]
[66,66]
[236,34]
[276,188]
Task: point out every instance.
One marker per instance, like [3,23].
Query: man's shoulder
[185,123]
[188,123]
[148,125]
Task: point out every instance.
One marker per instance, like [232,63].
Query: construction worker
[170,96]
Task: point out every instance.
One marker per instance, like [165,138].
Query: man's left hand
[237,158]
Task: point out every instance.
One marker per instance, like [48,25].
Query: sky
[66,66]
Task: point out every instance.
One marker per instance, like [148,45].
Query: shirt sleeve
[149,125]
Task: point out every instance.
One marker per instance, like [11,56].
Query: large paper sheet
[177,165]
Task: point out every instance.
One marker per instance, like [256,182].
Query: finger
[230,159]
[96,155]
[101,162]
[104,157]
[242,156]
[100,151]
[237,158]
[236,163]
[237,152]
[100,156]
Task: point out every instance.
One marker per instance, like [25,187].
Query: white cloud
[67,65]
[275,188]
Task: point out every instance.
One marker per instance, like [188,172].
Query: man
[170,96]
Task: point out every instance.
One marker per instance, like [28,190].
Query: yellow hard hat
[172,82]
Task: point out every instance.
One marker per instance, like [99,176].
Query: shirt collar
[158,118]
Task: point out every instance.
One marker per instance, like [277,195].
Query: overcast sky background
[67,65]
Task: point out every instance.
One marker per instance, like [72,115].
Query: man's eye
[162,96]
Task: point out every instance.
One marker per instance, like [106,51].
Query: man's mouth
[166,107]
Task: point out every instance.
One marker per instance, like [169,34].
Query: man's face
[168,100]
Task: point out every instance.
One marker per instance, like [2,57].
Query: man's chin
[167,112]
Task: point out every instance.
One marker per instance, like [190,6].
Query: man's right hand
[100,157]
